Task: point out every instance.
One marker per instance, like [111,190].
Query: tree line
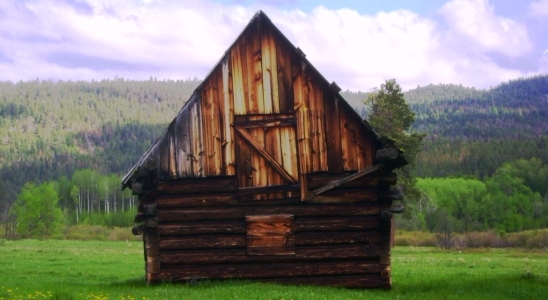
[87,197]
[514,198]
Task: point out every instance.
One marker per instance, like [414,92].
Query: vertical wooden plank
[365,148]
[164,156]
[313,121]
[285,82]
[273,145]
[185,144]
[239,79]
[289,152]
[216,130]
[178,147]
[319,117]
[317,123]
[259,167]
[323,140]
[300,94]
[266,71]
[197,139]
[244,168]
[211,123]
[270,71]
[172,152]
[333,131]
[255,99]
[348,141]
[227,113]
[207,107]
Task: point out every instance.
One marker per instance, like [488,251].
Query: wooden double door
[266,156]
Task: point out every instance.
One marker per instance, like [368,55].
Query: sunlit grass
[63,269]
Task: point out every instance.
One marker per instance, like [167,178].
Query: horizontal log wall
[204,235]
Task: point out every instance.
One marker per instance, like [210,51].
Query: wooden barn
[267,173]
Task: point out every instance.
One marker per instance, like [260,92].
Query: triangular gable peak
[265,115]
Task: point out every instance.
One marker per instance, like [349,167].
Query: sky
[358,44]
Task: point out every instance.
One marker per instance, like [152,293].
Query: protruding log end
[334,87]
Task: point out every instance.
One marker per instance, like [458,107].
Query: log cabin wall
[231,189]
[197,229]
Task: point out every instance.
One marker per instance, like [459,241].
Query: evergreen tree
[391,116]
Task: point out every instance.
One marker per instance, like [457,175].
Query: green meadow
[68,269]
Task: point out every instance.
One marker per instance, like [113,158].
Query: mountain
[49,129]
[473,132]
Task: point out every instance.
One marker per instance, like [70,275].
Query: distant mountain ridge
[472,132]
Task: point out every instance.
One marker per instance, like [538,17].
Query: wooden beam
[271,270]
[352,177]
[268,189]
[266,123]
[231,213]
[257,146]
[220,256]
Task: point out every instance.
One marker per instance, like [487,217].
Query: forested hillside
[471,132]
[52,129]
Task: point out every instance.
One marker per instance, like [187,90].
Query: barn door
[266,156]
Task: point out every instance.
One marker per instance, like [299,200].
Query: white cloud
[475,21]
[539,8]
[171,39]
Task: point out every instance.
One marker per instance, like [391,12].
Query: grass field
[65,269]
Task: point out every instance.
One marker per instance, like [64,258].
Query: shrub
[414,238]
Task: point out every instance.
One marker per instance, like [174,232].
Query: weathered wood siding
[338,239]
[262,75]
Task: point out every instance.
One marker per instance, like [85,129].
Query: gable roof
[259,24]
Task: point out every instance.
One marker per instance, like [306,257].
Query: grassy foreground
[66,269]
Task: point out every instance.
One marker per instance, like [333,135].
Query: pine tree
[391,116]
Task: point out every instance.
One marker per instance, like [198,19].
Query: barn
[266,173]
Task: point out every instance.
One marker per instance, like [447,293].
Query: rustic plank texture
[348,141]
[323,225]
[260,173]
[285,82]
[270,270]
[289,153]
[300,92]
[256,139]
[321,179]
[238,62]
[174,215]
[300,239]
[197,186]
[317,125]
[196,138]
[270,235]
[211,122]
[270,72]
[333,132]
[240,255]
[255,98]
[273,145]
[227,113]
[217,199]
